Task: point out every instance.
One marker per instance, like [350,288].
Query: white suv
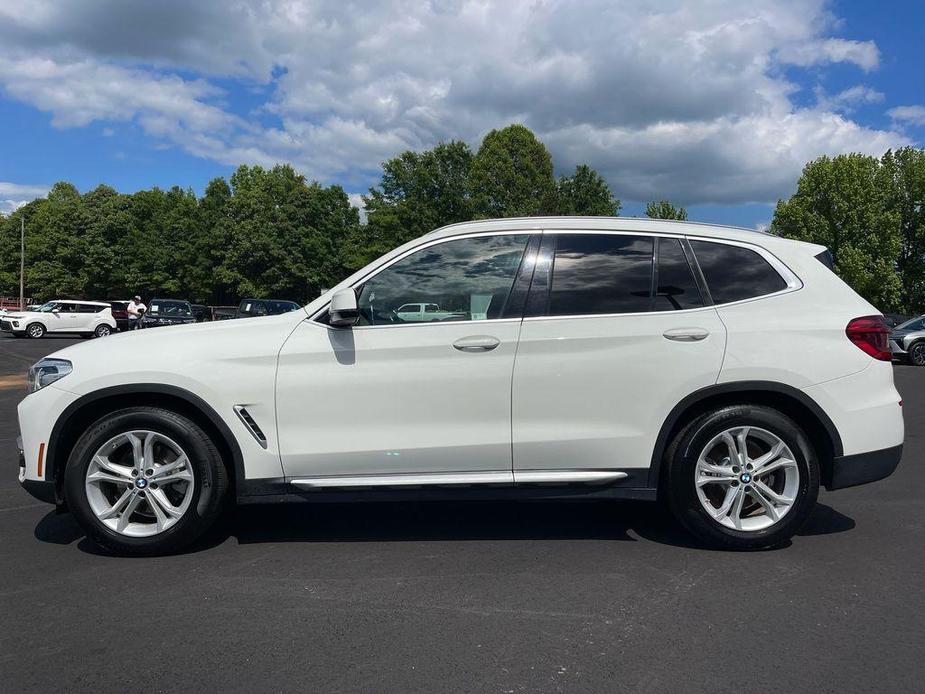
[89,318]
[727,371]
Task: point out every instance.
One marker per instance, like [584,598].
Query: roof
[665,226]
[82,301]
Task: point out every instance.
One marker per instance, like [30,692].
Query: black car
[201,313]
[167,312]
[264,307]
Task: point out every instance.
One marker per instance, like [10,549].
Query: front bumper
[861,468]
[43,490]
[896,348]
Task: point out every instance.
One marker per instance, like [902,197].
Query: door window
[464,279]
[734,273]
[676,289]
[601,273]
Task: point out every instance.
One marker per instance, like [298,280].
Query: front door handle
[686,334]
[477,343]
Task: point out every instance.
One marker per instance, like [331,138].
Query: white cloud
[913,115]
[864,54]
[667,98]
[15,195]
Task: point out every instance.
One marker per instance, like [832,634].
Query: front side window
[601,273]
[464,279]
[734,273]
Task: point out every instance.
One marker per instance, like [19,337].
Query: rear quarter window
[734,273]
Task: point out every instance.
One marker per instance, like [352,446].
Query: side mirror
[343,310]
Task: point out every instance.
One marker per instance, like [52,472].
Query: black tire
[679,480]
[102,330]
[35,330]
[210,485]
[916,354]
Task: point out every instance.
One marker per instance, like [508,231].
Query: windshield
[277,307]
[170,308]
[914,324]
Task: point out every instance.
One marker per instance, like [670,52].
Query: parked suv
[250,308]
[728,371]
[87,318]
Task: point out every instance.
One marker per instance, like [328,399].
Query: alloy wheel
[747,478]
[139,483]
[917,354]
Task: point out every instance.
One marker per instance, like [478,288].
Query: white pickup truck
[421,313]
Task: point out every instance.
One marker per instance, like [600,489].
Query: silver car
[907,341]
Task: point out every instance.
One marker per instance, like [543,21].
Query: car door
[63,318]
[617,332]
[389,397]
[86,317]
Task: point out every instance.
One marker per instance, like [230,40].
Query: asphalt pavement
[477,597]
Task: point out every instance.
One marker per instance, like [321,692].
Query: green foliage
[586,193]
[904,175]
[269,232]
[845,203]
[663,209]
[511,175]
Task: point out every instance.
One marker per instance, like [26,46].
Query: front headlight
[47,371]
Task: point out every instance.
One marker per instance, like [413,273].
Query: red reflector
[871,334]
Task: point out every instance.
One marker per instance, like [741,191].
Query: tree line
[269,232]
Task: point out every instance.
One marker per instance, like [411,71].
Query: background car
[62,316]
[120,314]
[250,308]
[167,312]
[201,313]
[907,341]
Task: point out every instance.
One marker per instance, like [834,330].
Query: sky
[713,104]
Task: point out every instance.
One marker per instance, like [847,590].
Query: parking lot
[481,597]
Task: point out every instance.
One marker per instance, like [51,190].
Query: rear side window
[676,289]
[734,273]
[601,273]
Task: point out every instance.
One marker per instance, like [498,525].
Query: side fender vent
[251,425]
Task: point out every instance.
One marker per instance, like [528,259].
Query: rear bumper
[861,468]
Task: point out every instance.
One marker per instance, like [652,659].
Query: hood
[177,355]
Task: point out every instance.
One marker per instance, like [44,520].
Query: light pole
[22,261]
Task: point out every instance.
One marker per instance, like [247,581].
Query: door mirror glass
[343,309]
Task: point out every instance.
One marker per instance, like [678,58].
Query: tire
[35,330]
[916,354]
[102,330]
[697,454]
[150,533]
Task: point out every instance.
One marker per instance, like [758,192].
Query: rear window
[826,259]
[734,273]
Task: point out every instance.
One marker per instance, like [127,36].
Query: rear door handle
[477,343]
[686,334]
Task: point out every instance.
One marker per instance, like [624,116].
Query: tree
[511,175]
[904,173]
[663,209]
[843,203]
[418,193]
[586,193]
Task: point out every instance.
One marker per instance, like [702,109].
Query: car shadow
[625,521]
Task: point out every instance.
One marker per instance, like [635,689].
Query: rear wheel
[145,480]
[917,354]
[35,330]
[742,477]
[102,330]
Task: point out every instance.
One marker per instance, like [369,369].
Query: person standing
[135,311]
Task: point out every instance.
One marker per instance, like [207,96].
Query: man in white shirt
[135,310]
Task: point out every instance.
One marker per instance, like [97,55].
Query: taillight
[871,334]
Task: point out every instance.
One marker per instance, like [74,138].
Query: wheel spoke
[147,451]
[117,506]
[731,494]
[736,513]
[766,503]
[177,471]
[103,476]
[742,444]
[771,494]
[120,470]
[731,447]
[127,512]
[161,499]
[775,465]
[160,516]
[137,454]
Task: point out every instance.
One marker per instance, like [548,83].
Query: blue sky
[714,105]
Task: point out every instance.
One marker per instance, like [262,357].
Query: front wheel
[35,330]
[144,481]
[742,477]
[917,354]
